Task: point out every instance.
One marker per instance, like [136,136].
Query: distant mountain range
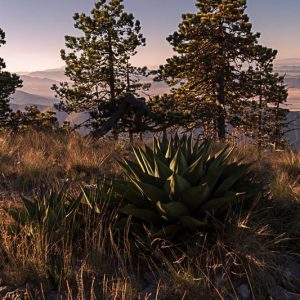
[39,83]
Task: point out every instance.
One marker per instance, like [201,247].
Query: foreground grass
[33,159]
[102,262]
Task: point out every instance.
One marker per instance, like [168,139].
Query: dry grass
[105,263]
[32,159]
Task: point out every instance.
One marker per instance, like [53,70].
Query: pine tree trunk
[112,81]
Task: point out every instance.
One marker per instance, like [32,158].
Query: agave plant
[182,184]
[51,212]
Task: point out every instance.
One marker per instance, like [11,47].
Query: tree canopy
[98,64]
[215,53]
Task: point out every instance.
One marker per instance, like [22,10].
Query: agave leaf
[30,207]
[224,154]
[130,192]
[196,196]
[150,156]
[189,149]
[170,150]
[234,167]
[134,172]
[217,203]
[177,185]
[195,171]
[148,161]
[152,192]
[164,143]
[173,209]
[201,149]
[146,215]
[162,171]
[139,159]
[231,180]
[176,140]
[156,146]
[190,222]
[213,175]
[179,163]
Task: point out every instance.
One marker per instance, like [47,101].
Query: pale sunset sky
[35,29]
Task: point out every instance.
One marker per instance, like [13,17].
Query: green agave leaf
[190,222]
[170,150]
[217,203]
[196,196]
[233,168]
[231,180]
[173,209]
[30,207]
[162,171]
[202,149]
[139,159]
[143,214]
[130,192]
[195,171]
[213,174]
[179,163]
[147,159]
[156,146]
[224,154]
[189,149]
[158,152]
[152,192]
[164,143]
[176,185]
[217,161]
[176,140]
[134,172]
[150,156]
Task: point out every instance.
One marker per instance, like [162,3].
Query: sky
[35,29]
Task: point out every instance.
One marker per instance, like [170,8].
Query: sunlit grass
[103,262]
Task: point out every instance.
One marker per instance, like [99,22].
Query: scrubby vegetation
[70,235]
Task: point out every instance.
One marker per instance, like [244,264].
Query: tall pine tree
[98,64]
[8,84]
[213,47]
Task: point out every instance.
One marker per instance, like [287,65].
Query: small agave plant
[181,184]
[51,212]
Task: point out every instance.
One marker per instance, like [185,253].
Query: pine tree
[98,64]
[8,84]
[212,47]
[261,116]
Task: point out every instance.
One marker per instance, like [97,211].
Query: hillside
[25,98]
